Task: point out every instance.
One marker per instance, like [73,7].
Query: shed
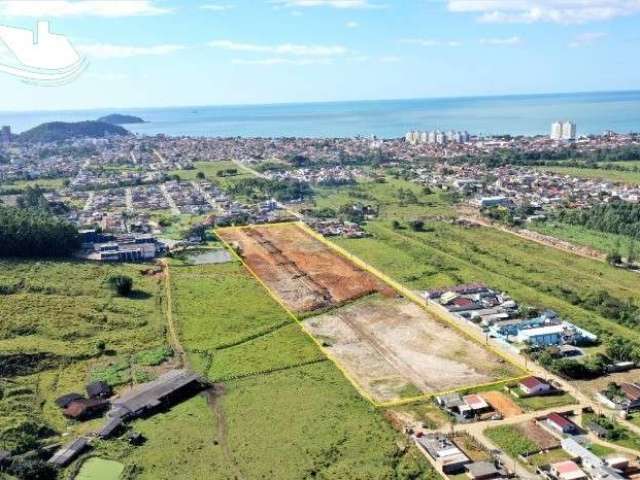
[65,455]
[597,429]
[482,471]
[99,389]
[84,409]
[65,400]
[110,428]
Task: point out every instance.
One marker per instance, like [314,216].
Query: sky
[159,53]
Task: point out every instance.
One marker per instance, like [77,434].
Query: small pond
[100,469]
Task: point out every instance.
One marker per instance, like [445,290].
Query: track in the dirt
[212,395]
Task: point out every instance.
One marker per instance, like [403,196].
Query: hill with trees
[60,131]
[120,119]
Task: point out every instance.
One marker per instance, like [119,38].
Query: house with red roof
[531,386]
[561,424]
[567,470]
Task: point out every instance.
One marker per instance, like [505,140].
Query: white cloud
[341,4]
[70,8]
[431,42]
[352,24]
[515,40]
[280,61]
[217,7]
[106,50]
[282,49]
[557,11]
[586,39]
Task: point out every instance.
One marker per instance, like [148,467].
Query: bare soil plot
[304,272]
[502,403]
[393,349]
[538,435]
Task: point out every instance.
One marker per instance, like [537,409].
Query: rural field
[393,349]
[61,327]
[270,368]
[306,274]
[579,235]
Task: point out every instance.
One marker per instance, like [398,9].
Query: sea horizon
[515,114]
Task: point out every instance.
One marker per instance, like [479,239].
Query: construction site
[394,349]
[303,272]
[391,348]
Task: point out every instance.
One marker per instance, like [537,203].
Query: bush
[121,284]
[417,225]
[35,469]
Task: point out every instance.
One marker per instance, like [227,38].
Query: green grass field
[210,170]
[552,456]
[386,195]
[629,177]
[545,402]
[579,235]
[59,321]
[286,411]
[510,440]
[45,183]
[301,423]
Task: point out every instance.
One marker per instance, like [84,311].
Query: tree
[614,257]
[30,232]
[619,349]
[200,176]
[395,225]
[121,284]
[417,225]
[33,197]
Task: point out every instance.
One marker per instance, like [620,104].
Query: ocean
[593,113]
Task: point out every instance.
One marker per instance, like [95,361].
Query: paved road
[207,196]
[128,196]
[477,430]
[159,156]
[167,196]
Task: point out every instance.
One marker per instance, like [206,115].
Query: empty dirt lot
[302,271]
[393,349]
[502,403]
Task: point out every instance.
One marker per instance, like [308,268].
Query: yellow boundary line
[403,291]
[291,314]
